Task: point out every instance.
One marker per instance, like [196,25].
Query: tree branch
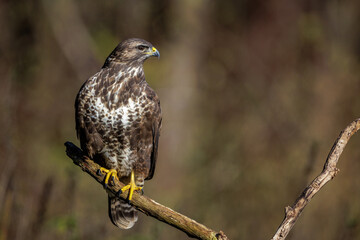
[329,172]
[196,230]
[143,203]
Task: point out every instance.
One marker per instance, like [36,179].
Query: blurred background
[253,94]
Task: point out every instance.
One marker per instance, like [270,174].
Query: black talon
[127,201]
[142,191]
[105,186]
[98,172]
[119,193]
[113,179]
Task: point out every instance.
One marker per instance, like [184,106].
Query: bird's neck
[111,62]
[123,72]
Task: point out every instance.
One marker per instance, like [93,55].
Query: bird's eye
[142,47]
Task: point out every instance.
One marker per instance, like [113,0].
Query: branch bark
[143,203]
[329,172]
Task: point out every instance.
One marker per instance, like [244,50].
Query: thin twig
[329,172]
[143,203]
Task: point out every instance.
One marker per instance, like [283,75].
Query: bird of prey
[118,121]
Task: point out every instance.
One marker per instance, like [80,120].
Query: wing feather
[156,134]
[90,140]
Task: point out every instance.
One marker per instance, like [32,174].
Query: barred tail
[122,214]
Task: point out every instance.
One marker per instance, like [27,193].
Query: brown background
[254,93]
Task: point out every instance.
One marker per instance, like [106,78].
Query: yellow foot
[131,187]
[110,173]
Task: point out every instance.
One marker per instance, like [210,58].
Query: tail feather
[122,214]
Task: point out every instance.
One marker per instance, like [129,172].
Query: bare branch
[145,204]
[329,172]
[196,230]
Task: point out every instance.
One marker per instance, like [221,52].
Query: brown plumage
[118,120]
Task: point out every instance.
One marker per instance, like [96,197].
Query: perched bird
[118,121]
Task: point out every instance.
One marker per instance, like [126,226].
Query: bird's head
[132,51]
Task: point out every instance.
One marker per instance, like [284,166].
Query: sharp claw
[113,179]
[119,193]
[98,172]
[105,186]
[142,191]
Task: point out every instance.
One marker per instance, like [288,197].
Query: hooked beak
[154,52]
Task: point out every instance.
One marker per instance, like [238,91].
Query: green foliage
[64,226]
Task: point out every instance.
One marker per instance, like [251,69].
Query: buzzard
[118,121]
